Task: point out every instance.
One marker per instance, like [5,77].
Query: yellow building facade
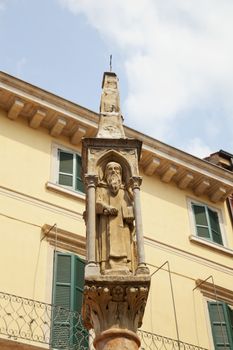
[187,230]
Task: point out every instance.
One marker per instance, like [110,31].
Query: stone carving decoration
[115,227]
[115,305]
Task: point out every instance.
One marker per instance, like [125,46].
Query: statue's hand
[110,211]
[113,211]
[129,220]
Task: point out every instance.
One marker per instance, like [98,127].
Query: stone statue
[114,209]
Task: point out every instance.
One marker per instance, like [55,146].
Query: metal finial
[110,63]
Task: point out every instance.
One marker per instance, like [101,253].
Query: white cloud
[198,148]
[178,55]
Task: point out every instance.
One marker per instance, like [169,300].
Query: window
[69,170]
[67,329]
[221,318]
[207,223]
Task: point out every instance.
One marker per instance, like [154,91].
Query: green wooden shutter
[79,282]
[215,228]
[62,298]
[68,330]
[221,325]
[230,318]
[81,336]
[79,183]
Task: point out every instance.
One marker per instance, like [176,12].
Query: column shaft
[91,225]
[92,268]
[138,224]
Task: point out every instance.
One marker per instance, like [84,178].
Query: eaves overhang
[64,118]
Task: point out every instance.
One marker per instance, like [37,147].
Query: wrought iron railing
[152,341]
[34,321]
[58,328]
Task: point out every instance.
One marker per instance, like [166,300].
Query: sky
[174,60]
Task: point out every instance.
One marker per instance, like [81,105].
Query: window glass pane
[66,180]
[79,185]
[203,232]
[66,162]
[78,166]
[215,227]
[200,215]
[217,238]
[214,221]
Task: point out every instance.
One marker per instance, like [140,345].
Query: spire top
[110,124]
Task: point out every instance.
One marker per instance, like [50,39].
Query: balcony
[52,327]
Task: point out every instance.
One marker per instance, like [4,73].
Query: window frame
[193,225]
[54,179]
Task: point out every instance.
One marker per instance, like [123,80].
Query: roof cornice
[62,117]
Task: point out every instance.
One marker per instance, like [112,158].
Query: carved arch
[114,156]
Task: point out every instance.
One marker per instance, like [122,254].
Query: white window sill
[58,188]
[211,245]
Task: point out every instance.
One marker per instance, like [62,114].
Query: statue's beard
[114,183]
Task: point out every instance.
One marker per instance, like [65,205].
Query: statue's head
[113,176]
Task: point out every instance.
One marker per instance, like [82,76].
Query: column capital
[135,182]
[91,180]
[110,300]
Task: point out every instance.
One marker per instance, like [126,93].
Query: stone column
[91,268]
[135,183]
